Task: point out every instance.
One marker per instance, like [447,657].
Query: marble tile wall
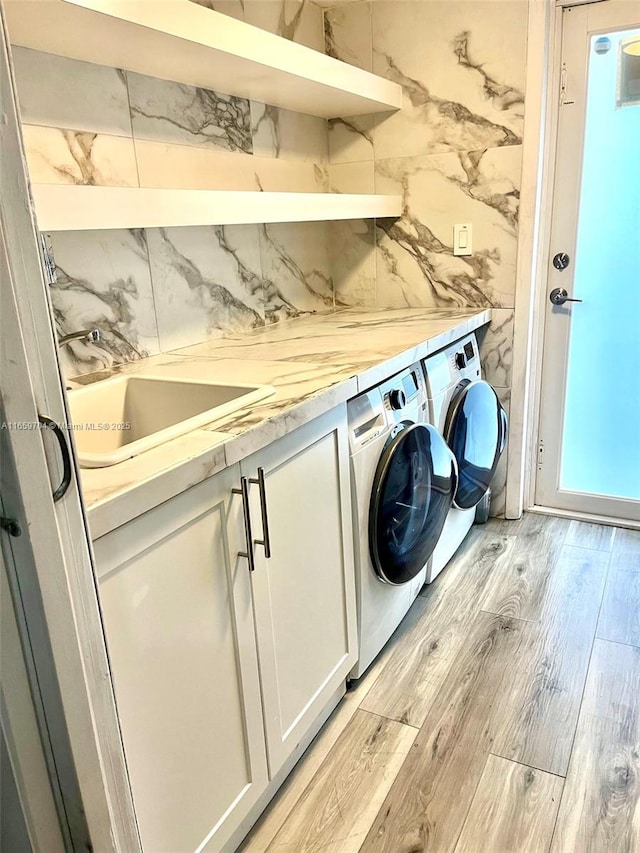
[151,291]
[297,20]
[453,152]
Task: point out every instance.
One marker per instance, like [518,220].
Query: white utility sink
[119,418]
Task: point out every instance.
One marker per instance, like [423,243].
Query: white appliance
[468,413]
[403,480]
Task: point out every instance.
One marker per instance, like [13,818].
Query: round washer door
[412,493]
[476,432]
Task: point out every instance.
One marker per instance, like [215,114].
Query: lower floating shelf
[60,207]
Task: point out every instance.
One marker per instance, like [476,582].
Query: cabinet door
[178,618]
[304,595]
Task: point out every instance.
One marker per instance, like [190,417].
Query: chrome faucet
[92,335]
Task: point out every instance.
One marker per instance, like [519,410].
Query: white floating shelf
[60,207]
[182,41]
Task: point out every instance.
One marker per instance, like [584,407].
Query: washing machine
[404,478]
[466,410]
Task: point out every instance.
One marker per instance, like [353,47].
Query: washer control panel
[404,395]
[366,418]
[444,369]
[464,356]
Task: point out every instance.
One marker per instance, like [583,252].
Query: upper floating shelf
[61,207]
[182,41]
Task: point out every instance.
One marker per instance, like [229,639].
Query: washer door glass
[476,432]
[412,493]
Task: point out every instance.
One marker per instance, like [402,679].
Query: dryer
[403,480]
[468,413]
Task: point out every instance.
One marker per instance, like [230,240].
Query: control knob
[460,360]
[397,399]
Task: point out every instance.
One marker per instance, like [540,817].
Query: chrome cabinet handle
[266,542]
[244,491]
[559,296]
[66,457]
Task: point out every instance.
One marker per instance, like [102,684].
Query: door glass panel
[600,452]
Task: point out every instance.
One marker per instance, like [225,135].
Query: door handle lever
[559,296]
[11,526]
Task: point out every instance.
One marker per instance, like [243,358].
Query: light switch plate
[462,239]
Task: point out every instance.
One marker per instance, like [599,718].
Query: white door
[589,438]
[304,592]
[29,812]
[178,614]
[48,564]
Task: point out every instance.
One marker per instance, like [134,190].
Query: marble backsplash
[153,290]
[453,152]
[297,20]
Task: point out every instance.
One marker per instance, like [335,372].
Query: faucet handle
[91,335]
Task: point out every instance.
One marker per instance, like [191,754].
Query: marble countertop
[314,363]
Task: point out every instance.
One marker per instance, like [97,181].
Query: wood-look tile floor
[504,714]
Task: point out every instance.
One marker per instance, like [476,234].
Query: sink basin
[120,418]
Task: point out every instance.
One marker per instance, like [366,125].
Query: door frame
[578,23]
[549,141]
[543,78]
[538,172]
[50,564]
[544,60]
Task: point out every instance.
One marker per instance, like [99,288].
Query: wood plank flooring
[514,809]
[503,716]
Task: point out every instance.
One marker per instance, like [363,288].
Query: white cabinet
[216,667]
[180,634]
[304,593]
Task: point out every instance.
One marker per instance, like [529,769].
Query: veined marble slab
[353,262]
[295,268]
[347,34]
[103,280]
[166,111]
[415,263]
[297,20]
[462,68]
[352,177]
[348,37]
[453,151]
[161,289]
[281,133]
[351,139]
[372,345]
[162,164]
[58,92]
[497,348]
[57,156]
[206,282]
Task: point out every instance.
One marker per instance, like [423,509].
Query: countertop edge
[208,452]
